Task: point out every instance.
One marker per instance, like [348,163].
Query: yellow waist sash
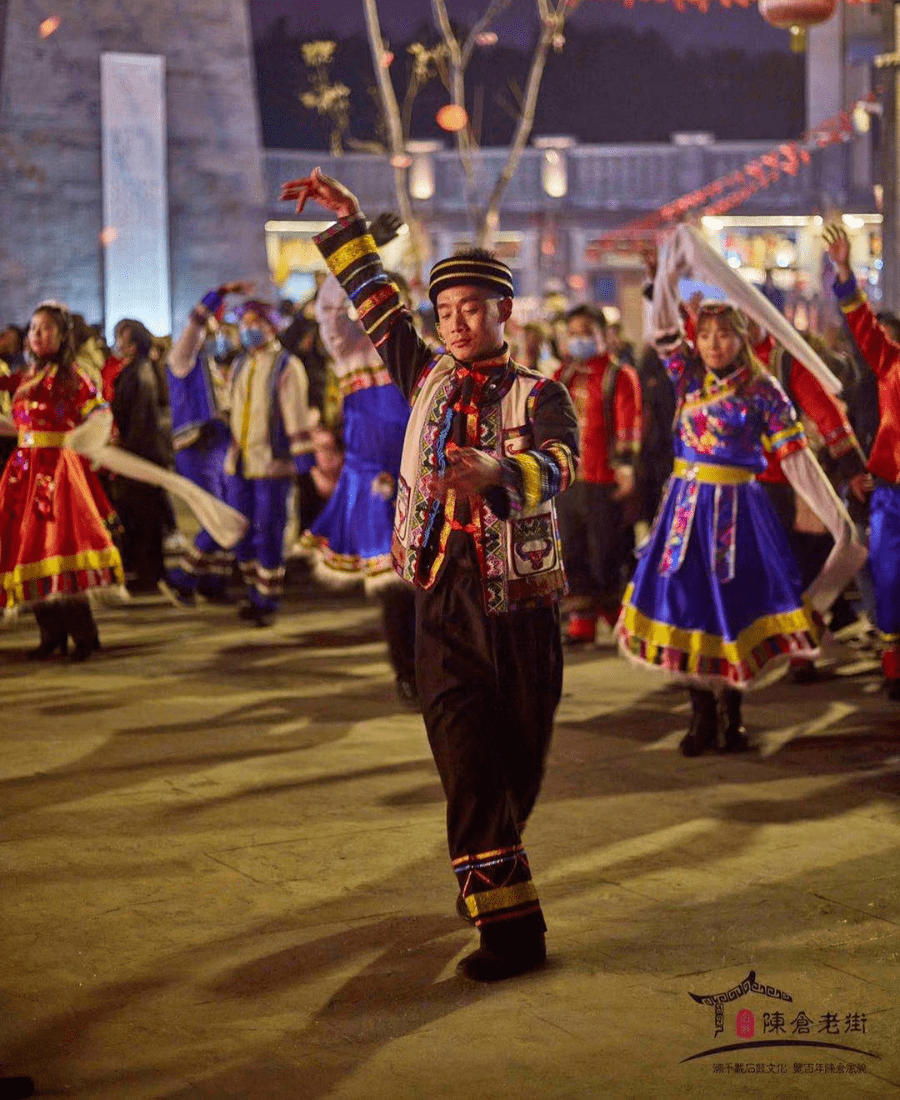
[42,439]
[723,517]
[711,474]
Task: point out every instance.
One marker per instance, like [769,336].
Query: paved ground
[224,875]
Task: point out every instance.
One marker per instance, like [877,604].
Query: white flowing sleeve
[848,554]
[91,435]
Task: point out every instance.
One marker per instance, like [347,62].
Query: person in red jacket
[824,414]
[883,356]
[594,513]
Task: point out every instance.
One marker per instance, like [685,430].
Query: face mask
[252,338]
[221,345]
[582,347]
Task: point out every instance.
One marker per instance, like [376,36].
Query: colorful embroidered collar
[493,377]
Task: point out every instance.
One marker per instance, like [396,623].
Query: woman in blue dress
[350,539]
[717,595]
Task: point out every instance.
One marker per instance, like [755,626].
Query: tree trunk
[487,227]
[396,142]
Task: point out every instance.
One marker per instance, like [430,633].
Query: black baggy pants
[489,687]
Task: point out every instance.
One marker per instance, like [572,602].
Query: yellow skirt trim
[108,558]
[697,643]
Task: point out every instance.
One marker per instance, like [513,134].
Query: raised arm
[880,352]
[351,254]
[183,356]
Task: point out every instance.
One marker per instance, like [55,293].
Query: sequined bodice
[39,405]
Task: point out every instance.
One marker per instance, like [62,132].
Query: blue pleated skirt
[351,536]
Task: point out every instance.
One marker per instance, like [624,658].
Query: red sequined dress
[55,520]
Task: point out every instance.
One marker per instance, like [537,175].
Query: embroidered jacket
[520,417]
[270,419]
[736,420]
[607,399]
[883,356]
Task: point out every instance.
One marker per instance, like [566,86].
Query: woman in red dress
[55,521]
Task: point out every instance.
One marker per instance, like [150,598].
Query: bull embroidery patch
[534,547]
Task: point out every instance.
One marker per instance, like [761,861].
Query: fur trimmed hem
[773,670]
[114,593]
[338,580]
[97,597]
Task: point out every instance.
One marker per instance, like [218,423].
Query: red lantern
[796,16]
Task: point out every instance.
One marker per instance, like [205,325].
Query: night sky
[720,26]
[637,74]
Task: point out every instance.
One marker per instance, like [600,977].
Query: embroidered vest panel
[521,557]
[278,439]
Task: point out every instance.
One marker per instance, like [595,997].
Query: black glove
[384,228]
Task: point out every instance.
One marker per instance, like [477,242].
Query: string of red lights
[704,5]
[731,190]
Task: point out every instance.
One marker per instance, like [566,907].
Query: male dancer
[270,443]
[200,435]
[489,444]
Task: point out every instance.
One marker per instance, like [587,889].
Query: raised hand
[650,256]
[322,189]
[244,286]
[838,245]
[385,227]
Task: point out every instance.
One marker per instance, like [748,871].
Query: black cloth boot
[703,731]
[508,953]
[16,1088]
[82,627]
[735,738]
[51,621]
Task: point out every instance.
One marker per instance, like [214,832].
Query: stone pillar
[50,168]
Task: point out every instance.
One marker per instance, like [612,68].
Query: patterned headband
[710,307]
[264,309]
[484,272]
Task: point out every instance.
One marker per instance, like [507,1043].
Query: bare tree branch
[551,28]
[464,143]
[494,9]
[391,111]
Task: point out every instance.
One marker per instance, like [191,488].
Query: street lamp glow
[49,26]
[554,176]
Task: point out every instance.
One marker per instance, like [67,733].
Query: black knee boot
[82,628]
[703,730]
[51,622]
[736,739]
